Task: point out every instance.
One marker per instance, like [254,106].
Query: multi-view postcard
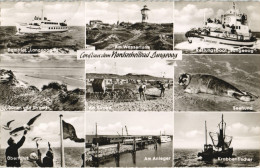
[216,140]
[127,140]
[41,83]
[42,27]
[217,83]
[35,139]
[129,25]
[217,27]
[129,85]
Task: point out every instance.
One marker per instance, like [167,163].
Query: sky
[110,12]
[138,123]
[23,12]
[190,129]
[158,68]
[191,14]
[47,126]
[40,60]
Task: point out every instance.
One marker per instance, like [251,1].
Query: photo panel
[130,139]
[42,83]
[217,27]
[217,83]
[129,25]
[216,139]
[33,139]
[129,85]
[42,27]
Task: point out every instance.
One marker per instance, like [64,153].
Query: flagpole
[61,143]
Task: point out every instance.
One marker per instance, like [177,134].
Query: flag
[70,132]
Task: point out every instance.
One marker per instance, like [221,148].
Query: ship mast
[234,7]
[204,20]
[206,132]
[96,130]
[223,146]
[42,15]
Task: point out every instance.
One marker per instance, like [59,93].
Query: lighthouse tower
[144,13]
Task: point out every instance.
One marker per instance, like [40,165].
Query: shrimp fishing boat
[231,29]
[41,25]
[221,142]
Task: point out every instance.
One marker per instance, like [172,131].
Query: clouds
[111,12]
[192,133]
[17,12]
[157,68]
[137,123]
[113,128]
[243,127]
[243,130]
[188,15]
[98,66]
[47,126]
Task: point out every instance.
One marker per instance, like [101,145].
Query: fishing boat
[41,25]
[221,143]
[231,29]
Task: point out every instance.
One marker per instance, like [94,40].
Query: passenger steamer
[232,29]
[165,138]
[41,25]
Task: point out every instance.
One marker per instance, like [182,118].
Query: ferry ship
[165,138]
[232,29]
[41,25]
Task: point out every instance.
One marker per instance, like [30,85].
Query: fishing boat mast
[234,7]
[96,130]
[222,134]
[206,137]
[204,19]
[42,15]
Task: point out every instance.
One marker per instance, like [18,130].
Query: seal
[204,83]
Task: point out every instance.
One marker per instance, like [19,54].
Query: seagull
[26,126]
[7,126]
[37,139]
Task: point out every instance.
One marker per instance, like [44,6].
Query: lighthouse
[144,13]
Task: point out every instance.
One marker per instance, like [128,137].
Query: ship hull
[165,139]
[38,29]
[216,154]
[224,41]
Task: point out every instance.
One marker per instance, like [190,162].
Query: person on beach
[142,90]
[48,159]
[11,153]
[162,88]
[83,160]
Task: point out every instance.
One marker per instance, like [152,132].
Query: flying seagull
[37,139]
[26,126]
[7,126]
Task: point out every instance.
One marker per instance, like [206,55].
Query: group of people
[34,159]
[142,90]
